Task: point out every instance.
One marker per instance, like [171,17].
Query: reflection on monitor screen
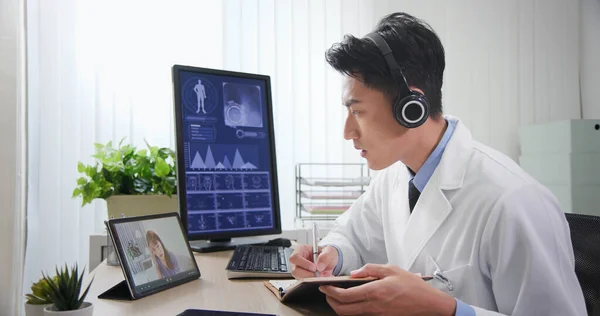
[227,181]
[155,250]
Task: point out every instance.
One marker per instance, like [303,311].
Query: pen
[315,247]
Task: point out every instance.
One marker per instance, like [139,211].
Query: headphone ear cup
[411,111]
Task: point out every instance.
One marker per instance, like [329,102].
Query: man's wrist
[444,306]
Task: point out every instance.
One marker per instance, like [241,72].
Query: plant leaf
[72,295]
[77,284]
[85,293]
[76,192]
[36,300]
[37,291]
[165,153]
[162,168]
[142,185]
[54,293]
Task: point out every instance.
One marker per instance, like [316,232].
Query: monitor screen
[227,182]
[155,252]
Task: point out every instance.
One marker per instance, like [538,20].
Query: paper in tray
[336,182]
[333,195]
[326,209]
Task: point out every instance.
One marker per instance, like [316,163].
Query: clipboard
[307,290]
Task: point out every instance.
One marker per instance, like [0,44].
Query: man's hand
[304,267]
[397,292]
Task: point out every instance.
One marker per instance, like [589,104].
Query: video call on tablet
[154,253]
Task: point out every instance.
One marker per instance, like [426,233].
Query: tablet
[154,255]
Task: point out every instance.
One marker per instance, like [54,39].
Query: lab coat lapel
[433,206]
[429,212]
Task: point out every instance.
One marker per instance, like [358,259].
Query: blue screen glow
[227,153]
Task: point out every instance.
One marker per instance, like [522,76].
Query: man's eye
[354,112]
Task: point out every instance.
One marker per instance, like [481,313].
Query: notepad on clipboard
[307,289]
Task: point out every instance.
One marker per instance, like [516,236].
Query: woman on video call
[164,260]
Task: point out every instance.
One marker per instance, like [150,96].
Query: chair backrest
[585,237]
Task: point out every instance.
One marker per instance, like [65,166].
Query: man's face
[371,126]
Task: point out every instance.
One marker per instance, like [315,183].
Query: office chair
[585,237]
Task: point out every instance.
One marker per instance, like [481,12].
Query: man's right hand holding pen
[304,267]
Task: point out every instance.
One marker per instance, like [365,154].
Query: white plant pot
[86,309]
[118,206]
[35,310]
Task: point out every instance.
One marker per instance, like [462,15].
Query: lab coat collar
[453,165]
[433,206]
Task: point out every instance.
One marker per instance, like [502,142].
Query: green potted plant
[38,299]
[133,182]
[65,293]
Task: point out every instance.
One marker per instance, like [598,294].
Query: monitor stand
[214,245]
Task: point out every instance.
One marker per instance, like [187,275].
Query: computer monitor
[226,165]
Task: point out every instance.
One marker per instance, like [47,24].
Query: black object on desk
[118,292]
[259,261]
[228,245]
[214,248]
[280,242]
[206,312]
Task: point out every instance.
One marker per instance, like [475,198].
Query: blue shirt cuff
[338,267]
[463,309]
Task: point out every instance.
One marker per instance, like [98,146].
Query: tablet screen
[155,252]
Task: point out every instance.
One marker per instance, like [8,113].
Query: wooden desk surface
[212,291]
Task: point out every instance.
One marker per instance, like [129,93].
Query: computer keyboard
[259,261]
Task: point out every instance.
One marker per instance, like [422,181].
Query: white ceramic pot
[86,309]
[118,206]
[35,310]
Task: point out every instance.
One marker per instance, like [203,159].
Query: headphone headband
[410,109]
[386,51]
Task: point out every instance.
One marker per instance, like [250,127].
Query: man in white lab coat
[494,240]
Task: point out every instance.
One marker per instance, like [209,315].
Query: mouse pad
[206,312]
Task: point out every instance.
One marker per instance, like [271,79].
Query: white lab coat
[498,235]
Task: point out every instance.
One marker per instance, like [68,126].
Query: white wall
[590,58]
[11,208]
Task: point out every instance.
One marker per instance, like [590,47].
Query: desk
[212,291]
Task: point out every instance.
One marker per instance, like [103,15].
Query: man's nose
[350,131]
[349,135]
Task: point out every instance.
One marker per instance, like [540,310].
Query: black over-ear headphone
[411,109]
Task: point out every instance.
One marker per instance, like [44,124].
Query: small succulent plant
[40,293]
[65,288]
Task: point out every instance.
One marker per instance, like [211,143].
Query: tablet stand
[118,292]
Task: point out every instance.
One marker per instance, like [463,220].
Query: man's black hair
[416,48]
